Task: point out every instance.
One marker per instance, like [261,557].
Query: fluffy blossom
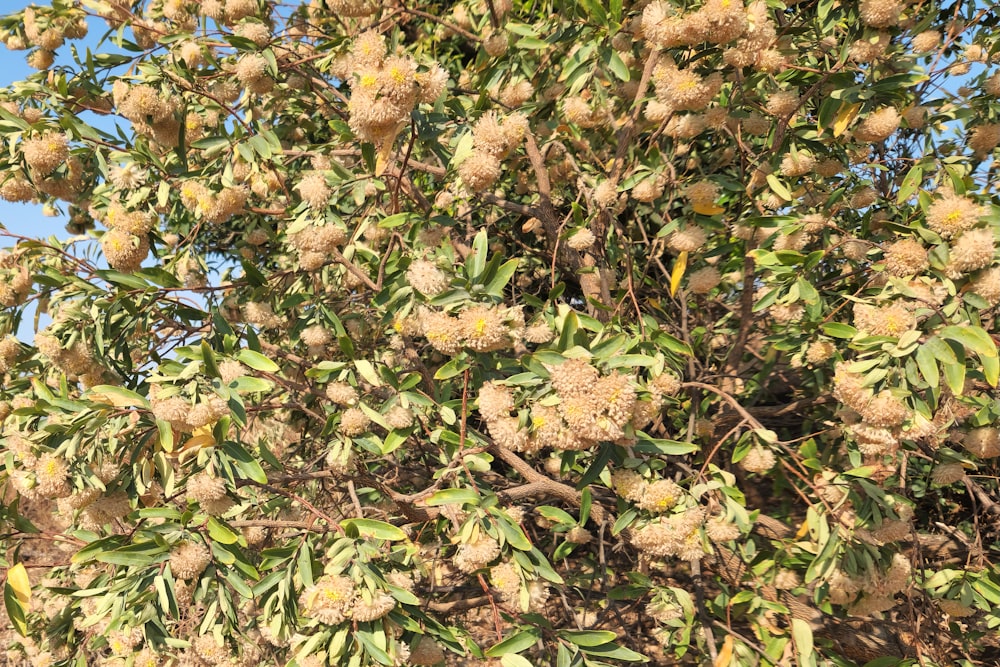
[479,171]
[953,214]
[906,257]
[797,164]
[188,560]
[125,252]
[582,239]
[987,285]
[51,476]
[687,239]
[704,280]
[880,13]
[354,422]
[878,125]
[495,401]
[973,250]
[475,555]
[676,535]
[328,600]
[426,278]
[927,40]
[314,190]
[45,153]
[758,459]
[782,103]
[893,319]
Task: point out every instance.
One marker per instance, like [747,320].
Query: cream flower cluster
[480,328]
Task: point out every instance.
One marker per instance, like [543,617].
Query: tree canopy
[502,332]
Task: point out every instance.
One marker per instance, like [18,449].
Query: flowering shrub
[502,332]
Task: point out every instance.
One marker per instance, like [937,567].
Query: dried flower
[758,459]
[124,252]
[687,239]
[797,164]
[314,190]
[782,103]
[925,41]
[479,171]
[581,239]
[906,257]
[819,351]
[495,401]
[984,442]
[704,280]
[425,651]
[948,473]
[354,422]
[189,559]
[880,13]
[51,473]
[475,555]
[878,125]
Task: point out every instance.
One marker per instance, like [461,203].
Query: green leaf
[503,275]
[586,501]
[514,660]
[556,515]
[514,535]
[257,361]
[588,637]
[648,445]
[15,609]
[134,554]
[614,62]
[807,292]
[972,338]
[516,643]
[398,220]
[954,376]
[366,370]
[220,532]
[371,643]
[454,497]
[991,370]
[123,279]
[476,261]
[454,367]
[119,397]
[615,652]
[941,350]
[803,638]
[914,177]
[244,461]
[373,528]
[778,188]
[607,451]
[928,366]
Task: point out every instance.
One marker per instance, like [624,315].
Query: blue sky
[27,219]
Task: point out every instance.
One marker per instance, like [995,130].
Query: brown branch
[462,604]
[627,130]
[354,270]
[539,484]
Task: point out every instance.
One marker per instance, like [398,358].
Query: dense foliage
[517,332]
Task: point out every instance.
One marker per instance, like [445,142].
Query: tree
[502,332]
